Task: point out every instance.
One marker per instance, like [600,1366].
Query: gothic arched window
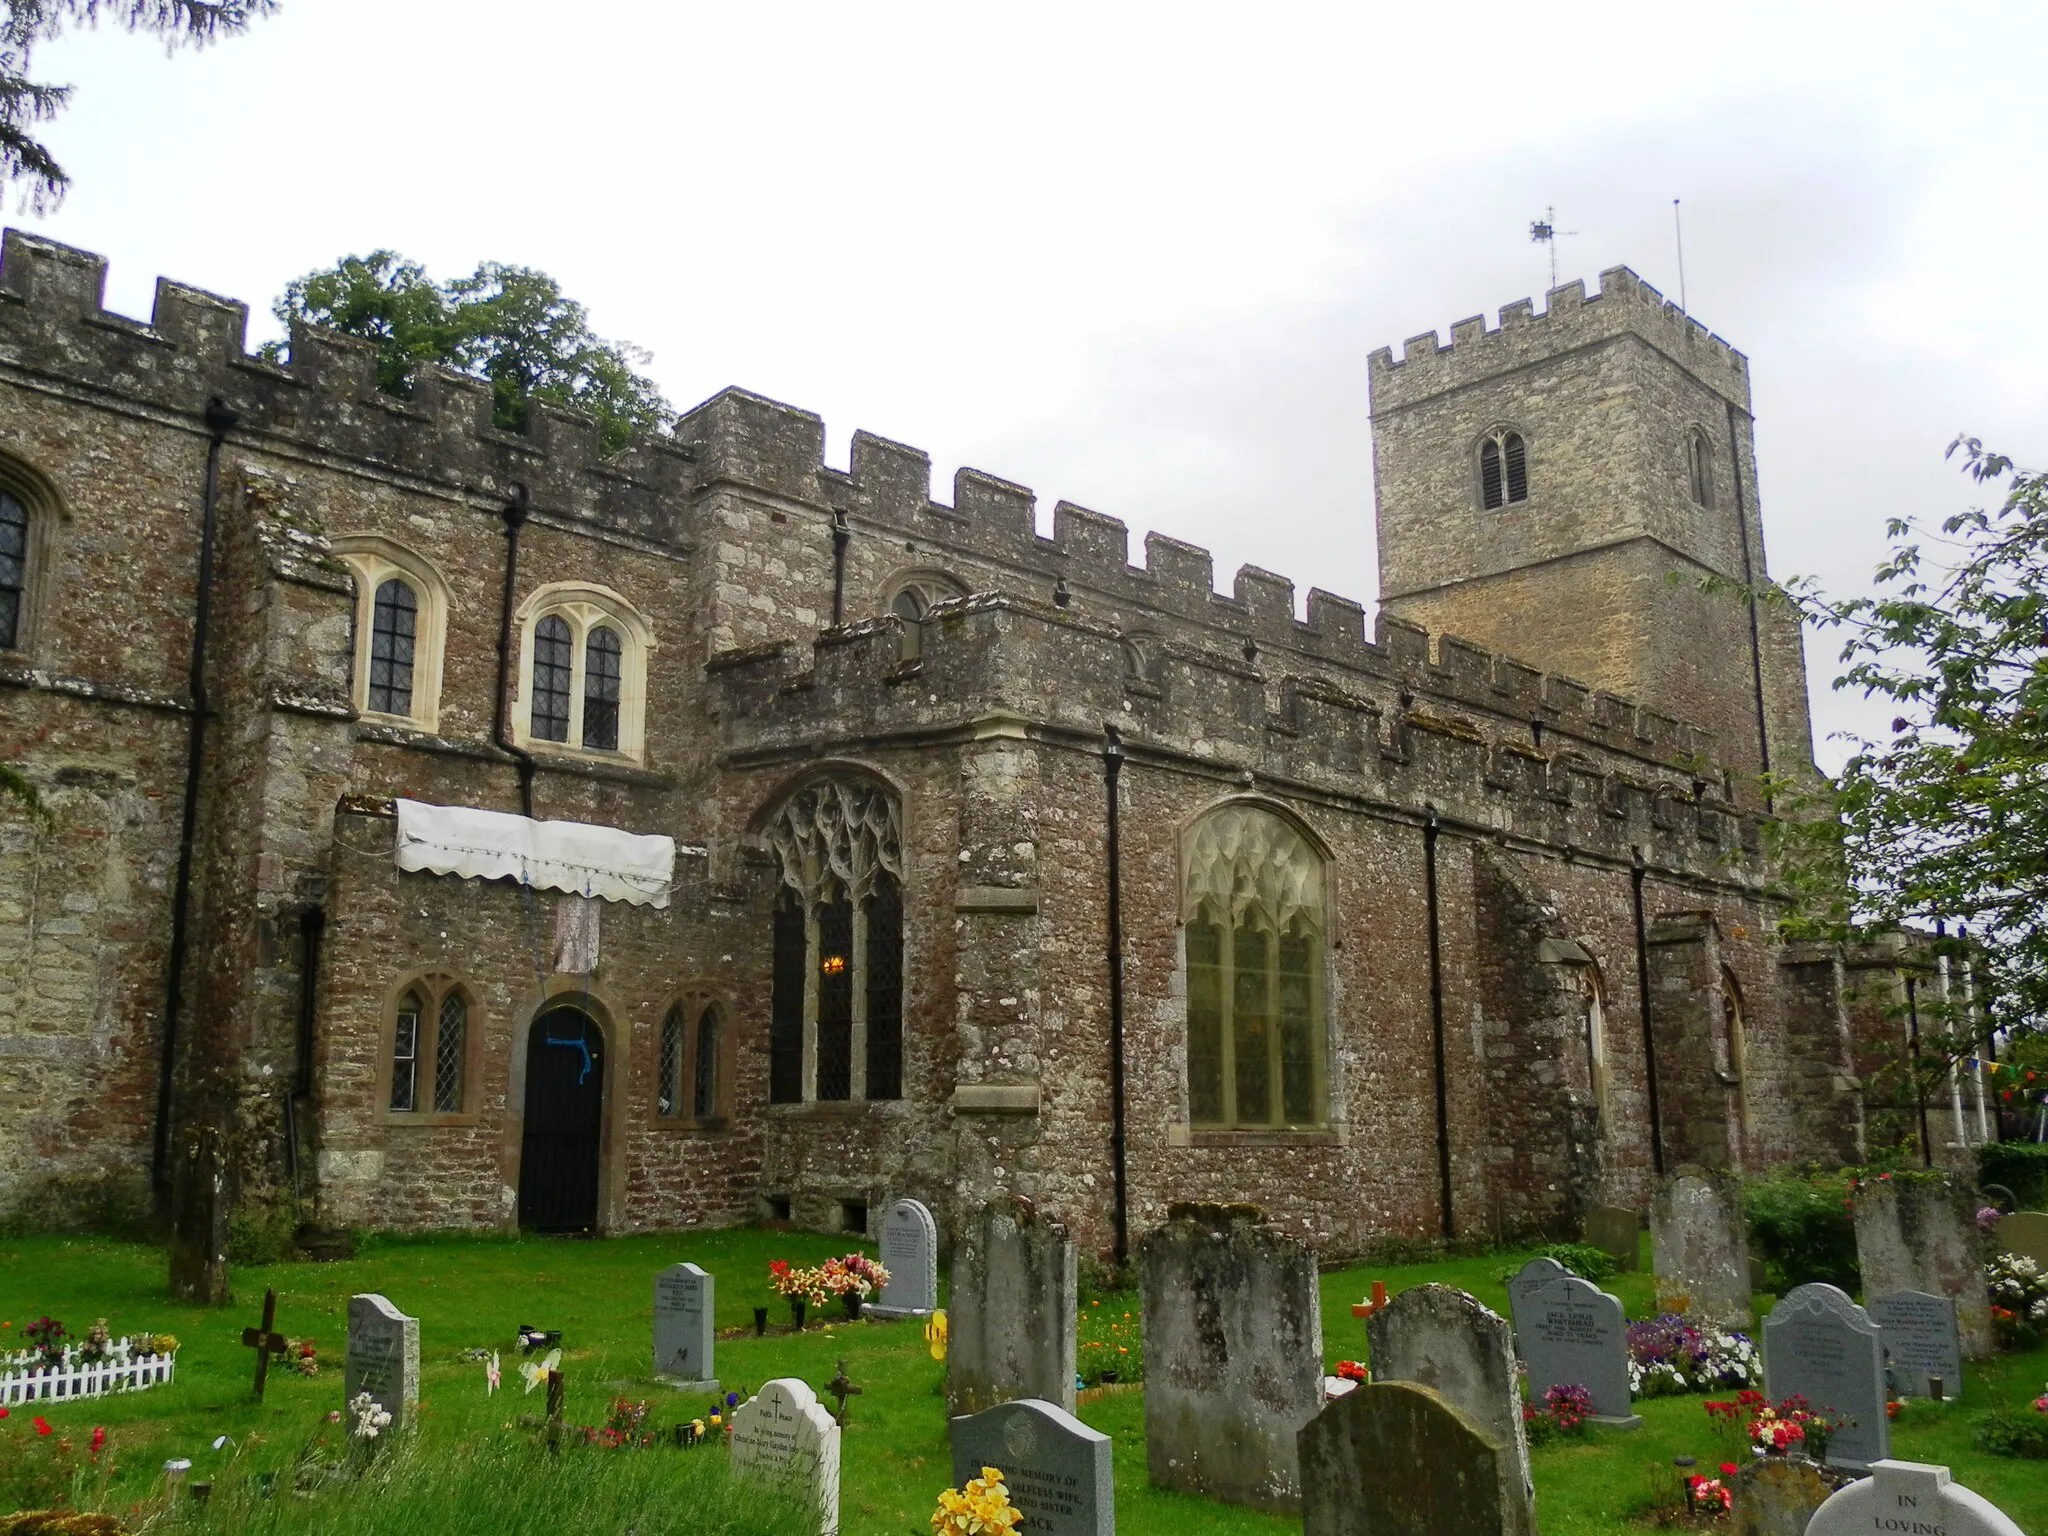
[430,1047]
[394,626]
[13,569]
[1503,468]
[601,673]
[1253,905]
[1730,1047]
[1699,468]
[553,668]
[583,670]
[1596,1039]
[668,1084]
[401,624]
[704,1067]
[836,1001]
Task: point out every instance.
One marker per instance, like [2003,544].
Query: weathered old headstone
[1233,1355]
[910,1252]
[1569,1332]
[1701,1247]
[1820,1345]
[1919,1233]
[1921,1341]
[782,1433]
[1616,1232]
[1909,1496]
[1011,1331]
[1776,1496]
[683,1328]
[1393,1458]
[1456,1346]
[2024,1233]
[383,1357]
[1056,1468]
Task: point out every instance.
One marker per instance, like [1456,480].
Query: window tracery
[1503,468]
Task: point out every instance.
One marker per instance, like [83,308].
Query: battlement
[1625,305]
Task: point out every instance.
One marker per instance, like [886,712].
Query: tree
[509,325]
[1946,819]
[24,158]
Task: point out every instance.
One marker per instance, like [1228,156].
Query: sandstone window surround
[1503,463]
[692,1066]
[1699,468]
[583,652]
[1255,916]
[29,514]
[401,629]
[910,595]
[431,1053]
[836,1004]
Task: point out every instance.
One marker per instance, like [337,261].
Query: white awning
[548,855]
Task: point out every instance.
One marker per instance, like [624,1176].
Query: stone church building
[445,827]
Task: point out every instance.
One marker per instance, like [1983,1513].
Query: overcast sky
[1136,256]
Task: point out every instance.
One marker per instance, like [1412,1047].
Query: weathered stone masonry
[986,722]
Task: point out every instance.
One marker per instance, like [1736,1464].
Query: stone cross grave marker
[1909,1496]
[2024,1233]
[1453,1344]
[383,1357]
[1393,1458]
[1919,1233]
[684,1332]
[1056,1468]
[1233,1354]
[1569,1332]
[783,1433]
[1011,1328]
[1701,1247]
[1822,1346]
[1616,1232]
[1921,1342]
[910,1252]
[1776,1496]
[265,1340]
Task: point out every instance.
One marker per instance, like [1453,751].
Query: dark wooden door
[564,1121]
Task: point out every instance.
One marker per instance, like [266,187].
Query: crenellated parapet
[1625,305]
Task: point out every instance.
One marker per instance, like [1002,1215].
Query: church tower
[1538,486]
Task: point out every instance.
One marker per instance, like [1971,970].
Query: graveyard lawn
[472,1292]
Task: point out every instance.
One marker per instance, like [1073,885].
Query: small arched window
[1596,1039]
[668,1096]
[13,569]
[704,1086]
[601,673]
[554,670]
[1503,469]
[1730,1048]
[401,621]
[394,629]
[431,1044]
[1699,468]
[405,1055]
[909,606]
[583,669]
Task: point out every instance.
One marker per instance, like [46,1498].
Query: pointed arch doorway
[562,1141]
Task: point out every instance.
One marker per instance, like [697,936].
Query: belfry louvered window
[394,627]
[13,569]
[1503,469]
[554,664]
[1253,905]
[430,1047]
[836,1013]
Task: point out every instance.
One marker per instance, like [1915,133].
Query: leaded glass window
[786,1003]
[448,1054]
[704,1088]
[394,627]
[601,674]
[1253,907]
[669,1076]
[430,1049]
[405,1054]
[13,568]
[885,989]
[835,1000]
[554,660]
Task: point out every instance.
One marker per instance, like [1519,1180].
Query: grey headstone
[1919,1233]
[1569,1332]
[1448,1341]
[1233,1355]
[1011,1325]
[1616,1232]
[910,1252]
[1776,1496]
[684,1333]
[1056,1468]
[1909,1496]
[383,1357]
[782,1433]
[1701,1247]
[1920,1340]
[1820,1345]
[2024,1233]
[1394,1459]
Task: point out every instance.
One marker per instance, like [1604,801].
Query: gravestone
[1056,1468]
[1569,1332]
[1776,1496]
[1919,1233]
[1920,1340]
[910,1252]
[1909,1496]
[782,1433]
[383,1357]
[1011,1327]
[1451,1343]
[1820,1345]
[1700,1247]
[683,1328]
[1395,1459]
[2024,1233]
[1233,1354]
[1616,1232]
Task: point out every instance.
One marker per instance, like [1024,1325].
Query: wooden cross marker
[842,1389]
[264,1341]
[1365,1309]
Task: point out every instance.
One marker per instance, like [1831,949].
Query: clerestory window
[1503,469]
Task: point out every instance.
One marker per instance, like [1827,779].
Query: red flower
[1728,1469]
[3,1413]
[42,1425]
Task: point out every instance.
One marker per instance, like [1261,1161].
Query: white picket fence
[23,1379]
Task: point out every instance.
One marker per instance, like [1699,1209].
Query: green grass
[474,1291]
